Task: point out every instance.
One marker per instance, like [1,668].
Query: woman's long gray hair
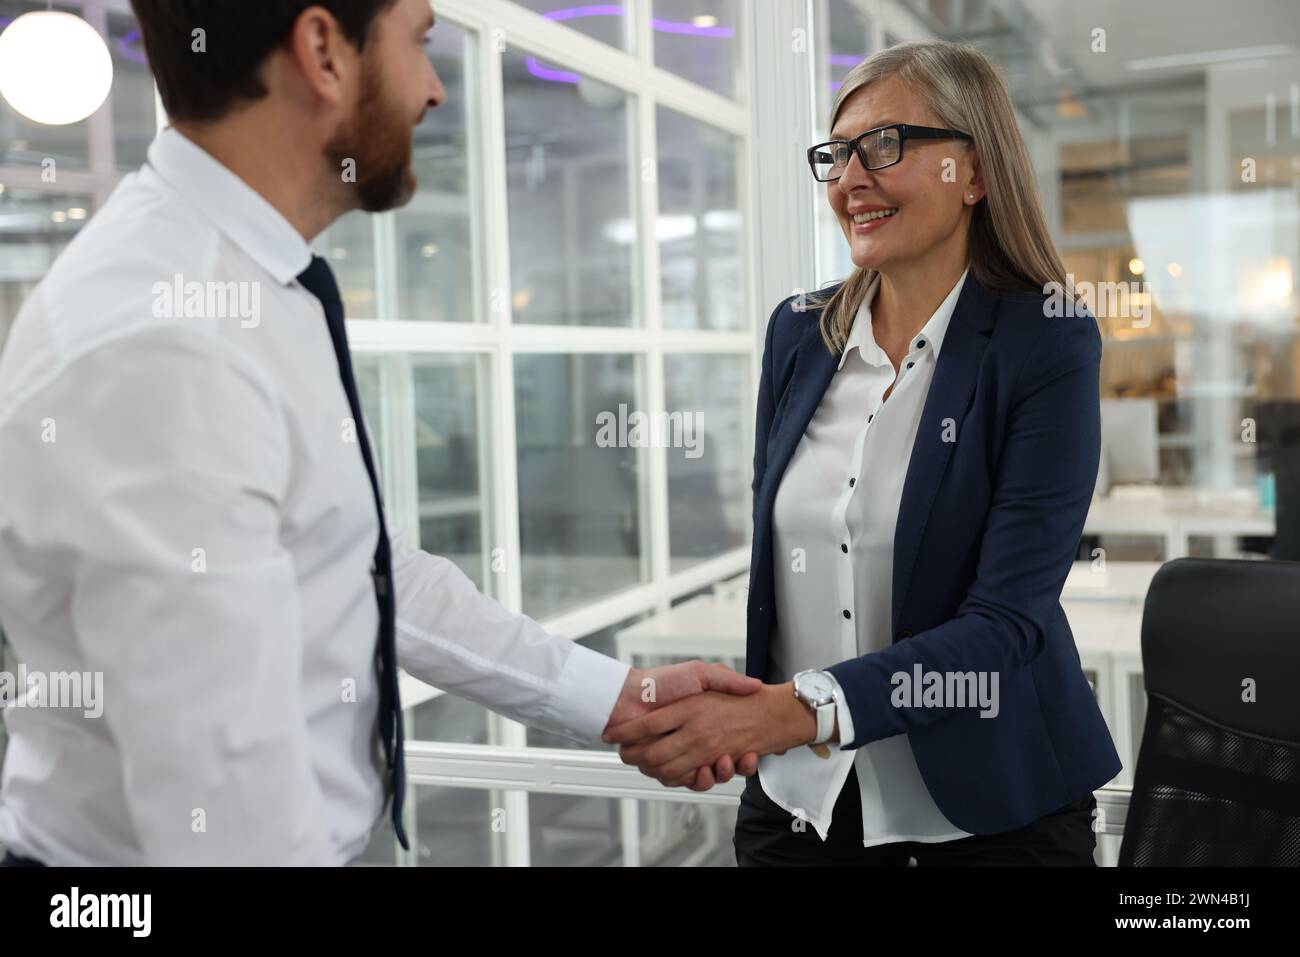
[1011,248]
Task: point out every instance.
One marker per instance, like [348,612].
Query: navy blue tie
[319,281]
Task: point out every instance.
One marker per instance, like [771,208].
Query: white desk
[1175,514]
[1109,583]
[1104,607]
[1104,603]
[707,626]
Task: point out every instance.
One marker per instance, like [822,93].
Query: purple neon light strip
[661,26]
[546,73]
[690,29]
[536,68]
[127,47]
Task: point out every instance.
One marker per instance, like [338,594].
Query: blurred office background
[611,202]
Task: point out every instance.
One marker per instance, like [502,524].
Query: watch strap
[825,722]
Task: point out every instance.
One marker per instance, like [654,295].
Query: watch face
[815,687]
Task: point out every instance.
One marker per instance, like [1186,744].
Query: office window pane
[459,827]
[25,143]
[572,831]
[709,468]
[454,827]
[372,388]
[135,115]
[467,827]
[699,40]
[579,501]
[572,234]
[450,442]
[606,22]
[846,33]
[700,225]
[34,229]
[439,398]
[436,249]
[349,247]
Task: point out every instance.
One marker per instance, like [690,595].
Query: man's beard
[380,142]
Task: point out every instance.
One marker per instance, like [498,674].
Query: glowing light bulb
[55,68]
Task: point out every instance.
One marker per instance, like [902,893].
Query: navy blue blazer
[988,527]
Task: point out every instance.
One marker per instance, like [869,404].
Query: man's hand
[647,690]
[671,742]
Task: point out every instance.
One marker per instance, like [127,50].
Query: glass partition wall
[611,202]
[1167,146]
[577,254]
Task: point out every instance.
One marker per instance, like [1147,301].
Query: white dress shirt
[183,508]
[833,521]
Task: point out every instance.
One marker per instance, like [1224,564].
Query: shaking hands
[704,723]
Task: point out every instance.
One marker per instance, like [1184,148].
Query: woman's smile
[869,222]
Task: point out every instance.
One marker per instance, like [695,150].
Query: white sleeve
[451,635]
[168,473]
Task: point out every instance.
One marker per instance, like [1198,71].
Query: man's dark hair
[237,38]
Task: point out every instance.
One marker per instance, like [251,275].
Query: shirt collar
[862,338]
[233,207]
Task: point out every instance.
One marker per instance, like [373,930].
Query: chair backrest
[1217,780]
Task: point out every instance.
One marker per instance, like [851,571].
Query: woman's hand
[698,732]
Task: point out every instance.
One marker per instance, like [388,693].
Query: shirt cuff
[843,714]
[586,693]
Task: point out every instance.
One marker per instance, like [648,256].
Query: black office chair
[1217,781]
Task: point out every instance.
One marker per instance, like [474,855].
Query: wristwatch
[816,689]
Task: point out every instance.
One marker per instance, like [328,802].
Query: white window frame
[493,26]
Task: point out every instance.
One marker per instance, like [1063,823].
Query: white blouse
[833,522]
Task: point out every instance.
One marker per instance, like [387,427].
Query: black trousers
[765,836]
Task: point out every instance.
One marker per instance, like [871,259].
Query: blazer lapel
[948,398]
[814,367]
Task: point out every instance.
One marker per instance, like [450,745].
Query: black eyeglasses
[876,149]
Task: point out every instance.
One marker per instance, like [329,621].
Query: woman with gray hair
[928,436]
